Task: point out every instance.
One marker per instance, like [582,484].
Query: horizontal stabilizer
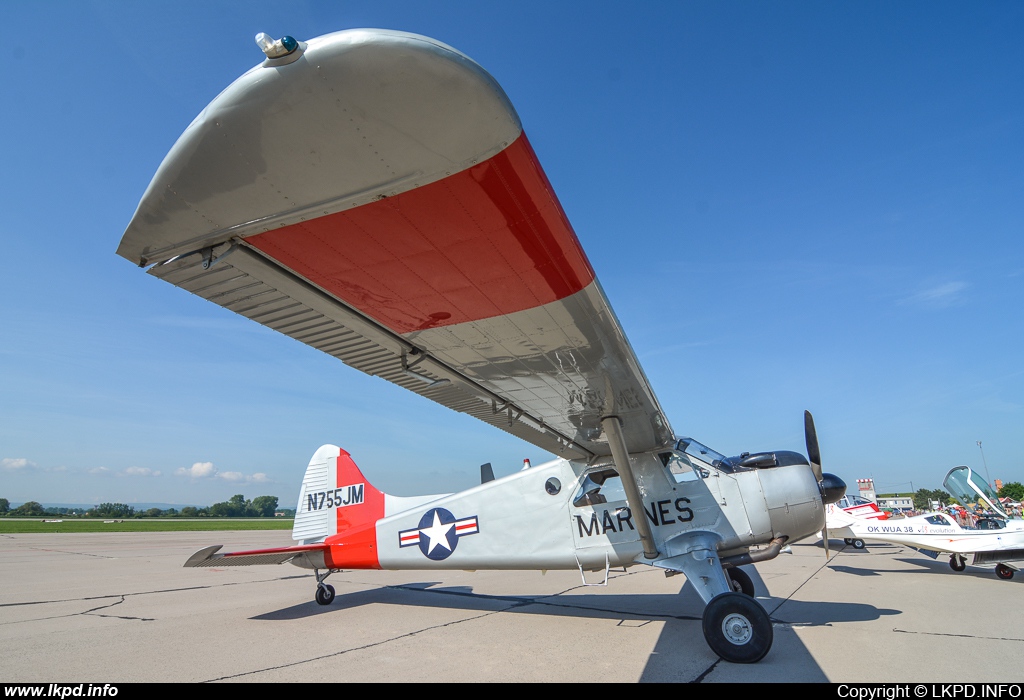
[308,556]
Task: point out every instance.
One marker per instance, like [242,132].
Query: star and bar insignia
[438,533]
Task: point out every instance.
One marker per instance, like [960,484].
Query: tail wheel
[858,544]
[325,594]
[737,628]
[1004,572]
[957,563]
[740,581]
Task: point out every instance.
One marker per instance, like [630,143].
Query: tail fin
[836,517]
[334,497]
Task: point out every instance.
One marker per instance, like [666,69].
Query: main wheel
[956,562]
[847,540]
[740,581]
[325,594]
[737,628]
[858,544]
[1004,572]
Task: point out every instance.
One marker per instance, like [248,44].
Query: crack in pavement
[150,593]
[119,617]
[963,636]
[365,646]
[90,611]
[64,551]
[515,602]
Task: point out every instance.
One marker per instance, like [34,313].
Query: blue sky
[790,205]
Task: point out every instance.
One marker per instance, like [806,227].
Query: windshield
[972,492]
[701,452]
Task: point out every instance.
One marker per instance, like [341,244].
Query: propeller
[814,457]
[813,453]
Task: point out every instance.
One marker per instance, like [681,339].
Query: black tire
[325,594]
[1004,572]
[858,544]
[847,540]
[737,628]
[740,581]
[956,563]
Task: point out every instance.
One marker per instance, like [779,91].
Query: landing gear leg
[737,628]
[957,562]
[324,591]
[740,581]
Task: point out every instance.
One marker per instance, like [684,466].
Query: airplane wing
[373,195]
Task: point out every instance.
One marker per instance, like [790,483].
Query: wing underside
[376,199]
[999,556]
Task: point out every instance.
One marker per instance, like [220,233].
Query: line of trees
[235,507]
[923,498]
[1014,490]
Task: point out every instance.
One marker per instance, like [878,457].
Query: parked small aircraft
[997,540]
[856,507]
[372,194]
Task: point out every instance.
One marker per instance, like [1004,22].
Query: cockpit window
[990,524]
[598,487]
[701,452]
[937,520]
[681,469]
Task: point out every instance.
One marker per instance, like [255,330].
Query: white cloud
[206,470]
[257,478]
[13,463]
[140,471]
[100,471]
[948,294]
[199,470]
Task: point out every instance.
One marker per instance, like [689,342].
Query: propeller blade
[811,438]
[824,538]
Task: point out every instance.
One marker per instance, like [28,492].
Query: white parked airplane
[994,540]
[856,507]
[372,194]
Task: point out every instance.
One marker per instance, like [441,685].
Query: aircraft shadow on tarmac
[677,643]
[939,565]
[632,607]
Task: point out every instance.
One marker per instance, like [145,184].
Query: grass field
[17,526]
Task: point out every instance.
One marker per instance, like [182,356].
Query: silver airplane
[372,194]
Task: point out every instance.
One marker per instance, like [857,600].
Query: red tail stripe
[355,545]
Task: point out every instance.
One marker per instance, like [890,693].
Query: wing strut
[613,429]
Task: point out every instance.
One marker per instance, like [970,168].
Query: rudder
[334,497]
